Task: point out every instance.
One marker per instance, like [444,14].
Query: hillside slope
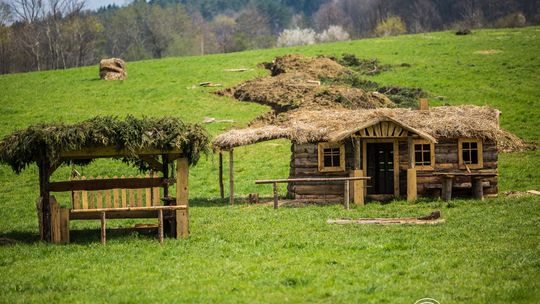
[251,253]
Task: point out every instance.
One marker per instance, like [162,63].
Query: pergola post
[45,200]
[182,197]
[221,191]
[231,177]
[412,191]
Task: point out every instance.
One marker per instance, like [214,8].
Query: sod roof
[130,135]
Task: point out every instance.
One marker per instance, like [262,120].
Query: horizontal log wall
[304,163]
[446,159]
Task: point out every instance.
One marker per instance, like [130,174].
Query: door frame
[396,159]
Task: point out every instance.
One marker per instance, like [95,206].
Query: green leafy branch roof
[49,141]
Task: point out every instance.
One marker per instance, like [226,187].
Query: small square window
[331,157]
[470,153]
[423,155]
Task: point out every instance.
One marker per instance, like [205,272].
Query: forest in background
[58,34]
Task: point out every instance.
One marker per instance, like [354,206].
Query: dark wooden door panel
[380,166]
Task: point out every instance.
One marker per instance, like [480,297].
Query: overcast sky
[95,4]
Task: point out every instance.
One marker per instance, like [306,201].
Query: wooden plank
[391,127]
[397,131]
[99,196]
[370,131]
[84,195]
[106,184]
[76,200]
[131,196]
[155,197]
[124,198]
[384,129]
[140,194]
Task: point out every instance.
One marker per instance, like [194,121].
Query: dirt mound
[112,69]
[293,90]
[315,67]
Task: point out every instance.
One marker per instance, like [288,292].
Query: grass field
[487,252]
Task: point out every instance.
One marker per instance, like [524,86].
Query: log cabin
[408,153]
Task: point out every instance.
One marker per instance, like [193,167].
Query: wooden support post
[358,188]
[44,175]
[231,177]
[221,190]
[160,226]
[447,188]
[56,235]
[347,184]
[165,161]
[477,188]
[103,228]
[182,197]
[275,196]
[412,191]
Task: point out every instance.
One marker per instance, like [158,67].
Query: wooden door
[380,167]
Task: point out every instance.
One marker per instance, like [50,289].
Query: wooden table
[476,183]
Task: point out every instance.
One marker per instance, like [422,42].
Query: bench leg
[160,226]
[103,228]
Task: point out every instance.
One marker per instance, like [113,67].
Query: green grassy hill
[486,252]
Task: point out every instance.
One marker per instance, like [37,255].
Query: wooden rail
[346,181]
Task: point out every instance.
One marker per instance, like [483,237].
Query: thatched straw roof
[304,126]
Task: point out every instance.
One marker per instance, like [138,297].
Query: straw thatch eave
[303,126]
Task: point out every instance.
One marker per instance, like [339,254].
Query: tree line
[58,34]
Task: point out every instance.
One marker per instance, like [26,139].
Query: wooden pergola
[156,159]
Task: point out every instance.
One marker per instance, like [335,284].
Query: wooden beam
[221,190]
[105,152]
[447,188]
[477,188]
[152,161]
[107,184]
[410,145]
[231,177]
[358,188]
[311,179]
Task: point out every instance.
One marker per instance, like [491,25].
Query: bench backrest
[115,198]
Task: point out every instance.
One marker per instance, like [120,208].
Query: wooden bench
[117,203]
[477,184]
